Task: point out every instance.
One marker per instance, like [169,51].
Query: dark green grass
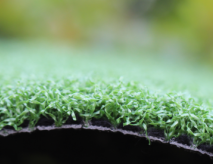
[89,86]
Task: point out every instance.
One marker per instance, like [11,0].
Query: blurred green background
[166,42]
[177,28]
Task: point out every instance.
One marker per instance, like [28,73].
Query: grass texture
[31,87]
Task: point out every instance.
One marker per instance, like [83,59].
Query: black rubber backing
[73,142]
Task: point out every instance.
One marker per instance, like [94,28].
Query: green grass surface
[57,82]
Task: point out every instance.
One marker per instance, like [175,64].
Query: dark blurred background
[177,28]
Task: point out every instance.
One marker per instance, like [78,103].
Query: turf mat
[47,87]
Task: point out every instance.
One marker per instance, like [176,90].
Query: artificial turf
[61,86]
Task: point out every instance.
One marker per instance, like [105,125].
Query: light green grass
[130,90]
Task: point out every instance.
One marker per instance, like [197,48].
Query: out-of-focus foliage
[154,8]
[197,17]
[185,23]
[57,19]
[191,23]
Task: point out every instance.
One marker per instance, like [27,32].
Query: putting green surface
[123,87]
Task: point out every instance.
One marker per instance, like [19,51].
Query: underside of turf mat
[184,143]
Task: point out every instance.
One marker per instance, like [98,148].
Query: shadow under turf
[86,146]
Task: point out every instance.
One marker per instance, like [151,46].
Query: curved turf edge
[154,135]
[124,105]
